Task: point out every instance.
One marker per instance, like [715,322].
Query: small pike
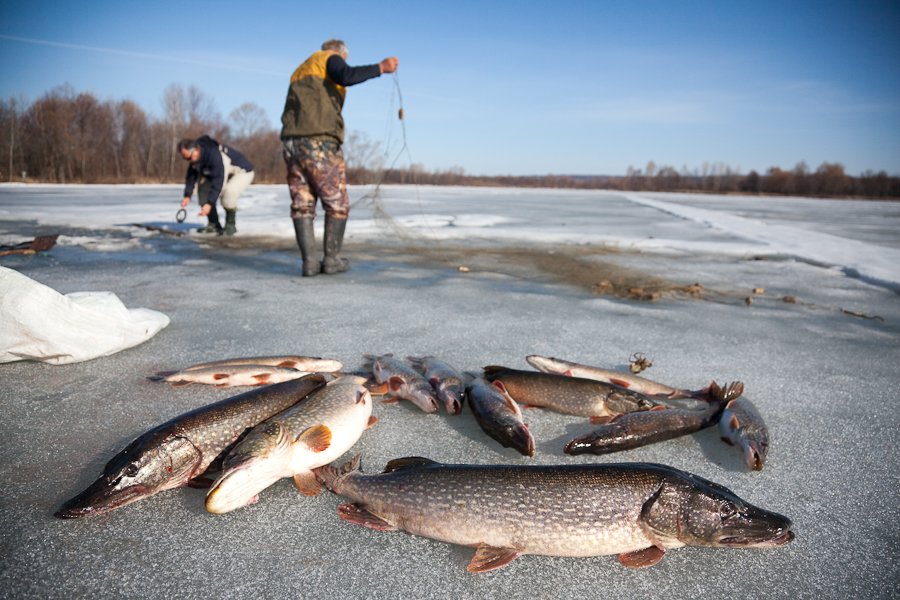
[230,375]
[310,434]
[310,364]
[741,425]
[635,510]
[444,379]
[637,429]
[570,395]
[642,385]
[172,454]
[403,381]
[499,415]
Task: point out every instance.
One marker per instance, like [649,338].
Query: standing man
[312,133]
[221,170]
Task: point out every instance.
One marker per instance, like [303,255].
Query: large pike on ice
[642,385]
[231,375]
[310,364]
[310,434]
[637,511]
[571,395]
[170,455]
[637,429]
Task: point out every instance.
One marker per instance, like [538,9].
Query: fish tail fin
[719,394]
[330,475]
[161,375]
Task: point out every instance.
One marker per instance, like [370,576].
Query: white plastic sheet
[39,323]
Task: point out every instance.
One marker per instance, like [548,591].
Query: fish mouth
[101,497]
[779,539]
[754,455]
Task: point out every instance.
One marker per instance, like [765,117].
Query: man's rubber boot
[334,237]
[230,218]
[306,240]
[213,225]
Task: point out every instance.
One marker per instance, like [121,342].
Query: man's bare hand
[389,65]
[205,210]
[185,201]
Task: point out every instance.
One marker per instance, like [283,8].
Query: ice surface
[822,371]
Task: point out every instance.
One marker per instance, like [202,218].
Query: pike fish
[642,385]
[230,375]
[571,395]
[499,415]
[403,381]
[634,510]
[637,429]
[741,425]
[446,381]
[310,434]
[310,364]
[172,454]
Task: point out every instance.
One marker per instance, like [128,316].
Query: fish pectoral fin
[356,513]
[598,420]
[180,383]
[201,482]
[734,423]
[642,558]
[262,378]
[218,376]
[372,420]
[307,484]
[488,558]
[317,438]
[619,382]
[378,389]
[726,440]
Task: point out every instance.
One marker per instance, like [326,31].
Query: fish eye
[727,511]
[131,470]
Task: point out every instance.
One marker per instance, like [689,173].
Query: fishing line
[374,197]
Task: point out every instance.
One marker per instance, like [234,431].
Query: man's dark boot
[306,239]
[230,218]
[213,225]
[334,237]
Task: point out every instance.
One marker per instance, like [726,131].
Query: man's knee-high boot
[230,221]
[334,237]
[306,239]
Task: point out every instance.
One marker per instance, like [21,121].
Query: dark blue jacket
[210,166]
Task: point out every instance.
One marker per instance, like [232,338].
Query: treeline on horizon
[69,137]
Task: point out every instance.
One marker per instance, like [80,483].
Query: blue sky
[503,88]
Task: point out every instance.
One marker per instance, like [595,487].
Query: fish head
[452,393]
[754,452]
[697,512]
[148,465]
[423,397]
[256,463]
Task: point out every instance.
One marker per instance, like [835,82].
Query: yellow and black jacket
[316,95]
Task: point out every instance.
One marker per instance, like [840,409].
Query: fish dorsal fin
[409,462]
[488,558]
[642,558]
[317,438]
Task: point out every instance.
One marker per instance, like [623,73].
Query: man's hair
[186,144]
[337,45]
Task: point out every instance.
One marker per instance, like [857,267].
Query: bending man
[221,170]
[312,133]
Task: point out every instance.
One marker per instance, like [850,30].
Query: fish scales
[570,395]
[560,511]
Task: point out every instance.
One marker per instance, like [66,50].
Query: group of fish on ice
[301,421]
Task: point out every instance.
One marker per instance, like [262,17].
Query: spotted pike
[571,395]
[230,375]
[499,415]
[635,510]
[637,429]
[172,454]
[642,385]
[446,381]
[741,425]
[403,381]
[310,364]
[310,434]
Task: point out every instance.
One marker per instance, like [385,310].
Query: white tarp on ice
[39,323]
